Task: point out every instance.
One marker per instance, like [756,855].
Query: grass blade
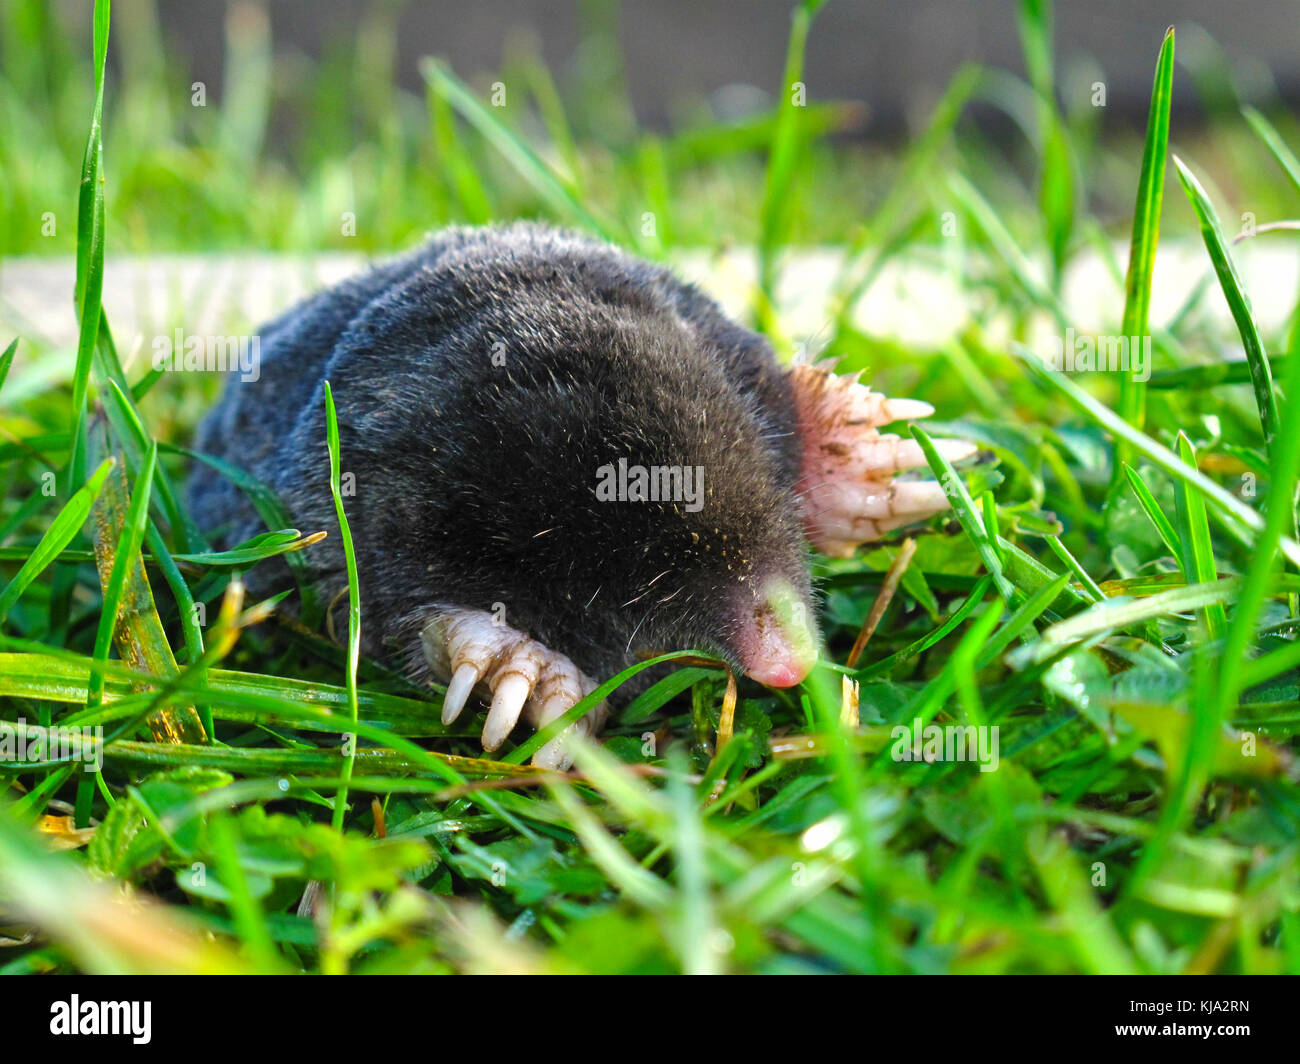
[527,163]
[1021,621]
[90,248]
[1056,189]
[1157,516]
[1261,373]
[1145,238]
[124,558]
[274,515]
[964,506]
[1116,614]
[354,603]
[633,881]
[60,533]
[1264,561]
[87,294]
[526,749]
[1023,272]
[1198,550]
[130,429]
[1088,584]
[128,614]
[1192,378]
[7,360]
[1273,140]
[879,232]
[784,153]
[457,170]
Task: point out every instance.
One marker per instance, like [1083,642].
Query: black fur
[475,476]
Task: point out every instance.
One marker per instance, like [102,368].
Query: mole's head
[665,491]
[722,564]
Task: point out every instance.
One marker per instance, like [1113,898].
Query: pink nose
[781,674]
[776,641]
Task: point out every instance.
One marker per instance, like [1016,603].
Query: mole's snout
[776,640]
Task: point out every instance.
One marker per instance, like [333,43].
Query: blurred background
[673,57]
[247,124]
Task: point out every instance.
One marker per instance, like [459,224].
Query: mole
[560,459]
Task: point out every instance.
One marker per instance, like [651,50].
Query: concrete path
[914,302]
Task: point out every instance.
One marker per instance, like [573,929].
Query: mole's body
[562,457]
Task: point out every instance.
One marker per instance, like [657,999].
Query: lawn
[192,781]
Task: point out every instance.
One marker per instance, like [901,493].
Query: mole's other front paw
[847,483]
[473,651]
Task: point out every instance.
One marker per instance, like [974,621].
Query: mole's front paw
[474,651]
[847,481]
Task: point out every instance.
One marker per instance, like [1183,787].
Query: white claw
[894,455]
[955,450]
[905,409]
[887,454]
[512,691]
[553,755]
[458,690]
[556,754]
[525,677]
[845,506]
[561,687]
[923,497]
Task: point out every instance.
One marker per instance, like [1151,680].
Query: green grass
[1116,590]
